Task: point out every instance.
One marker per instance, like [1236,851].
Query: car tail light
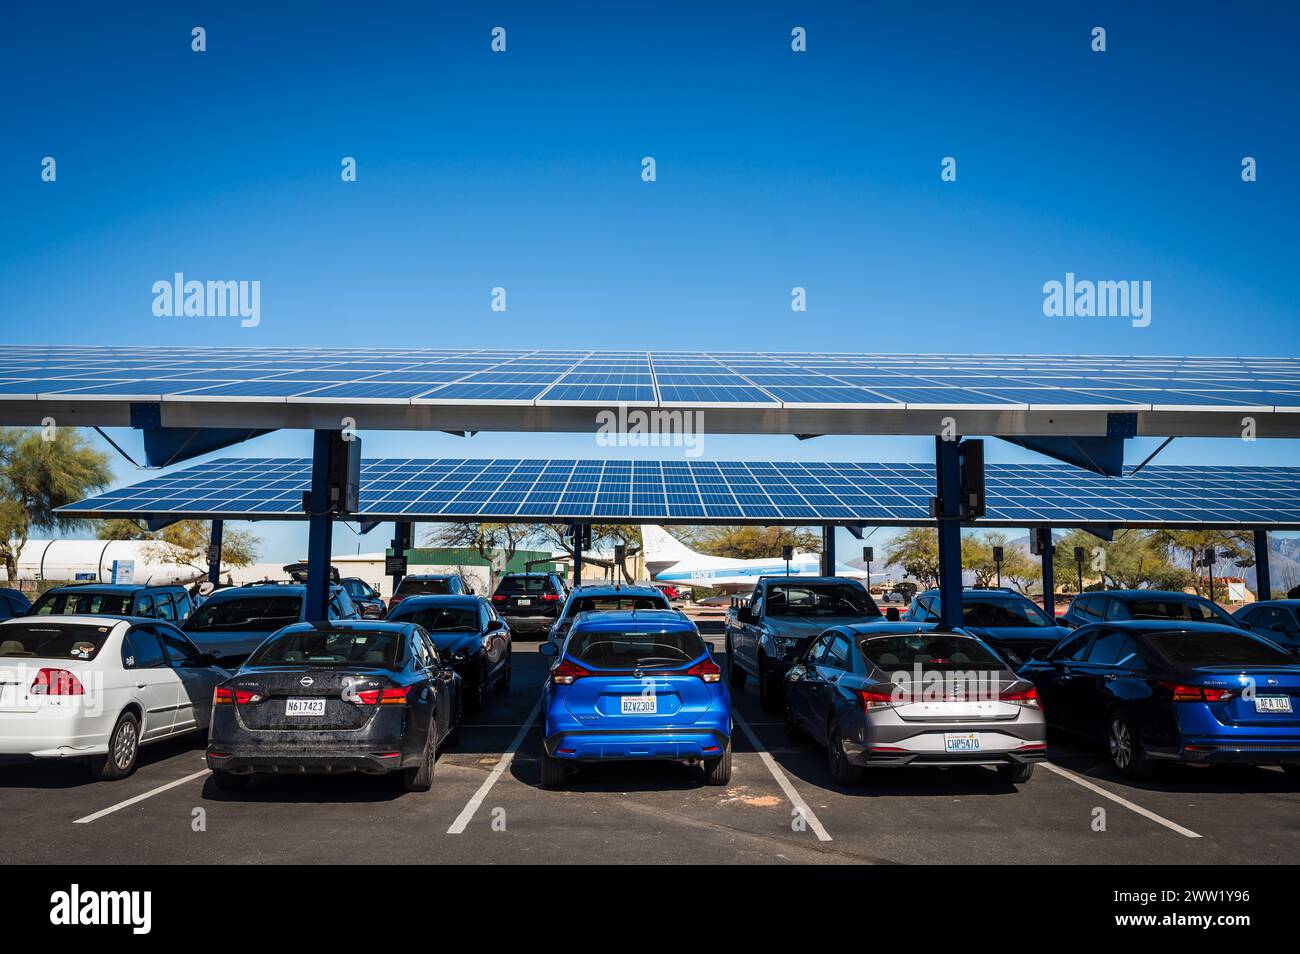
[1021,697]
[1182,693]
[566,672]
[707,670]
[550,597]
[498,598]
[873,699]
[224,695]
[56,682]
[382,697]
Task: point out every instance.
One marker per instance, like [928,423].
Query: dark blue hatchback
[635,686]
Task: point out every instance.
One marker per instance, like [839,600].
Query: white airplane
[668,560]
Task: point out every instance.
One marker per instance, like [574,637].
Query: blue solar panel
[717,491]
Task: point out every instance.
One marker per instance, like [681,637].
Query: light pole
[1078,562]
[868,554]
[997,562]
[787,553]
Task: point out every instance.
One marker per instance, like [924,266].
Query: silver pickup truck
[767,632]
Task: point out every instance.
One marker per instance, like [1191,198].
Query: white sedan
[100,687]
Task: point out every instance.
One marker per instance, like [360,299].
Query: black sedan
[342,696]
[469,633]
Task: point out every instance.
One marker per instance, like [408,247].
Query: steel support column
[948,470]
[1049,578]
[403,531]
[828,550]
[320,530]
[1263,580]
[214,552]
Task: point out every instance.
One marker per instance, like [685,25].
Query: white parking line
[139,798]
[795,799]
[1159,820]
[467,813]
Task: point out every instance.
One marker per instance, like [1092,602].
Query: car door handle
[140,685]
[1111,676]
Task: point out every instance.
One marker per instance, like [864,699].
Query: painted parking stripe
[139,798]
[467,813]
[1090,786]
[795,798]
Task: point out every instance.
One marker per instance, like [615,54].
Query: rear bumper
[677,745]
[529,624]
[1219,751]
[917,744]
[232,747]
[51,735]
[942,759]
[371,758]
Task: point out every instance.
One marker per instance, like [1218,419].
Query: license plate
[523,602]
[961,741]
[640,705]
[304,707]
[1272,703]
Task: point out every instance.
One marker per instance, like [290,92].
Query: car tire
[554,772]
[718,771]
[230,781]
[123,750]
[476,691]
[735,675]
[503,684]
[843,771]
[1125,748]
[420,779]
[1017,774]
[769,688]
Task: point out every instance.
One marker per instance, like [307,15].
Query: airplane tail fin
[660,546]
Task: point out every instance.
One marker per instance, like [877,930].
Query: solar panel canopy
[693,491]
[810,392]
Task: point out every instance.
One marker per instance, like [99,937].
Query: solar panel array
[621,491]
[666,379]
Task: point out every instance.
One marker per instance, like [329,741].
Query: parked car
[171,603]
[1010,622]
[1172,690]
[428,584]
[530,602]
[606,598]
[928,698]
[99,687]
[1110,605]
[13,603]
[765,635]
[670,591]
[369,604]
[470,634]
[1278,620]
[342,696]
[234,621]
[634,686]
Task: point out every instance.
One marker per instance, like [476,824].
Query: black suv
[429,584]
[530,602]
[171,603]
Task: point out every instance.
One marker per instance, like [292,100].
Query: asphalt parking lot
[487,806]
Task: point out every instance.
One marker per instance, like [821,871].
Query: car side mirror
[495,624]
[892,614]
[548,649]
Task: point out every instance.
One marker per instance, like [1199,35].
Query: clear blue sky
[775,169]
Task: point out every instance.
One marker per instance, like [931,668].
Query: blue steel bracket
[1102,531]
[154,524]
[368,525]
[164,446]
[1101,455]
[1122,425]
[855,529]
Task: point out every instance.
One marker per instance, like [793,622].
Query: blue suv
[635,686]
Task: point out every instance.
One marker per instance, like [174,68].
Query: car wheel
[554,772]
[123,749]
[230,781]
[735,675]
[503,684]
[769,688]
[1126,753]
[842,770]
[1016,774]
[718,771]
[476,692]
[420,779]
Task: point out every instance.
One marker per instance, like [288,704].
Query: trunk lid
[976,697]
[329,696]
[1261,696]
[655,701]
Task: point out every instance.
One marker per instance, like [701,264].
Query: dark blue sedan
[1010,622]
[468,632]
[1167,690]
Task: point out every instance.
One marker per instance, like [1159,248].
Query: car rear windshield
[928,651]
[511,585]
[331,649]
[93,604]
[1218,649]
[618,650]
[439,586]
[1192,610]
[53,640]
[442,619]
[246,614]
[614,603]
[819,599]
[1009,613]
